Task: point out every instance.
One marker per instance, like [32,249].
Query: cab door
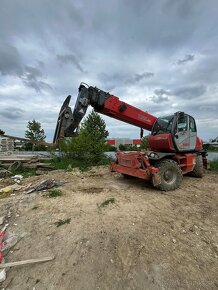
[182,137]
[192,133]
[185,134]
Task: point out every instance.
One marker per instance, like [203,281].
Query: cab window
[192,126]
[182,123]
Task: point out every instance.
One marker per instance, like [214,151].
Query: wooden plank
[25,262]
[14,158]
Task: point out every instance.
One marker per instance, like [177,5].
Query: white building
[6,144]
[214,142]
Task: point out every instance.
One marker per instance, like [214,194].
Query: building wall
[111,142]
[213,142]
[136,142]
[6,144]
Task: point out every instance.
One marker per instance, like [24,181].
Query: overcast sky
[160,56]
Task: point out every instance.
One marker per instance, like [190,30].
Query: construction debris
[5,173]
[15,162]
[5,191]
[2,275]
[11,241]
[25,262]
[17,178]
[2,218]
[15,166]
[45,184]
[2,235]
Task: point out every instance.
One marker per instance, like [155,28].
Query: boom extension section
[104,103]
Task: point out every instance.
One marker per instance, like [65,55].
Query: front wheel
[170,175]
[198,170]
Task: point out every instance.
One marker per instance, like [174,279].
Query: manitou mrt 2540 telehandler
[175,148]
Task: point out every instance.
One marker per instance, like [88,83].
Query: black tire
[170,174]
[198,170]
[15,166]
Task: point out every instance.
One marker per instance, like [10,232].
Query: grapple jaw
[68,121]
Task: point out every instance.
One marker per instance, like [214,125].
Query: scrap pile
[13,162]
[40,186]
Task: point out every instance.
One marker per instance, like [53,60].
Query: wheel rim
[169,176]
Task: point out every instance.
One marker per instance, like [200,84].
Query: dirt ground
[147,239]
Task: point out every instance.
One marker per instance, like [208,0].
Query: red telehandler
[175,148]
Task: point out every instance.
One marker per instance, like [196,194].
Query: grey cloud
[191,91]
[72,41]
[10,61]
[33,72]
[11,64]
[12,113]
[111,81]
[160,99]
[161,92]
[187,58]
[30,79]
[161,96]
[183,8]
[116,80]
[70,58]
[139,77]
[37,85]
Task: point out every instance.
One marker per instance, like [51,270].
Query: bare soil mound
[121,234]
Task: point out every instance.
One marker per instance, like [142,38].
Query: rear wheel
[170,175]
[198,170]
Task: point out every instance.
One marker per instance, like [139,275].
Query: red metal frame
[122,111]
[137,164]
[134,163]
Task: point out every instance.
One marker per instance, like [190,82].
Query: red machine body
[161,143]
[175,148]
[122,111]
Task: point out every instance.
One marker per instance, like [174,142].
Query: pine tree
[90,144]
[95,126]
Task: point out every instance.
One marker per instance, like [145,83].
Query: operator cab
[178,132]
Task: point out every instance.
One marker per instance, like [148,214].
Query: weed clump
[62,222]
[214,165]
[35,207]
[51,193]
[107,202]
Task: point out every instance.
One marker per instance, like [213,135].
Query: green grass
[214,165]
[25,172]
[62,222]
[68,163]
[107,202]
[51,193]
